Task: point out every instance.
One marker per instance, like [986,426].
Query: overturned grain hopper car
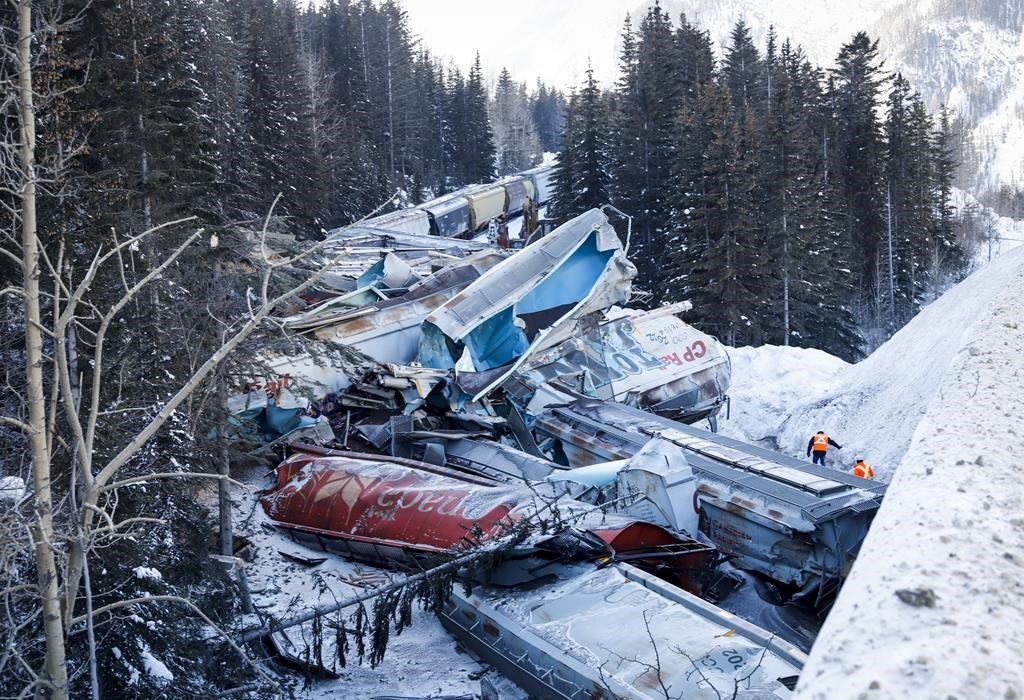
[448,215]
[414,221]
[799,524]
[620,632]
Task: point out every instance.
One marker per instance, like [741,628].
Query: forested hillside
[792,204]
[165,133]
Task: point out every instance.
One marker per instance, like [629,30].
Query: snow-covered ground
[424,661]
[934,606]
[781,396]
[768,382]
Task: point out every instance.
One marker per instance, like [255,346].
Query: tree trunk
[54,680]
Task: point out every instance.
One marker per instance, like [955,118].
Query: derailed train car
[449,215]
[384,510]
[485,203]
[517,190]
[529,303]
[620,632]
[648,359]
[543,179]
[414,221]
[798,524]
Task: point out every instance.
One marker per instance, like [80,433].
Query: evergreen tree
[744,73]
[547,109]
[715,258]
[948,260]
[650,92]
[581,178]
[857,79]
[515,136]
[479,152]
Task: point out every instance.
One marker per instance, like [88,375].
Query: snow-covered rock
[934,606]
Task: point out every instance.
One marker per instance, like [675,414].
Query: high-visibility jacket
[820,443]
[863,471]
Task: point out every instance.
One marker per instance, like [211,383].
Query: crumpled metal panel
[530,301]
[648,359]
[390,273]
[380,509]
[388,330]
[621,633]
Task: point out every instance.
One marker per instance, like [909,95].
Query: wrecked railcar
[529,302]
[651,360]
[357,248]
[384,510]
[796,523]
[619,632]
[388,330]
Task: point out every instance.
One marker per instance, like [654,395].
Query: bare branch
[171,475]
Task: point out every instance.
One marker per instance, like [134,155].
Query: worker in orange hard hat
[863,470]
[818,444]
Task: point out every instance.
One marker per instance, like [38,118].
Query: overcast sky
[550,39]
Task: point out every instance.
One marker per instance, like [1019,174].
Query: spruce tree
[857,80]
[650,92]
[714,259]
[582,179]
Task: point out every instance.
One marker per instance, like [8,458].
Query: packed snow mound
[934,606]
[768,381]
[875,410]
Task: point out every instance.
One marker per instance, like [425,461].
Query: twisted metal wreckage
[496,389]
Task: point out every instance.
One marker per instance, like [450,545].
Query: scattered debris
[303,559]
[513,405]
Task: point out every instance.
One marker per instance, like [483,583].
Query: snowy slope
[881,400]
[783,395]
[768,382]
[934,606]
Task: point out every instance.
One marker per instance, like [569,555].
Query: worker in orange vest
[818,444]
[863,470]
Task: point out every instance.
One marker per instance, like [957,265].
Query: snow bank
[934,607]
[767,382]
[878,404]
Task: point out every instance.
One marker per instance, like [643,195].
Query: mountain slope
[967,54]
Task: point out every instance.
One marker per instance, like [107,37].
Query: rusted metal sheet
[621,633]
[794,522]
